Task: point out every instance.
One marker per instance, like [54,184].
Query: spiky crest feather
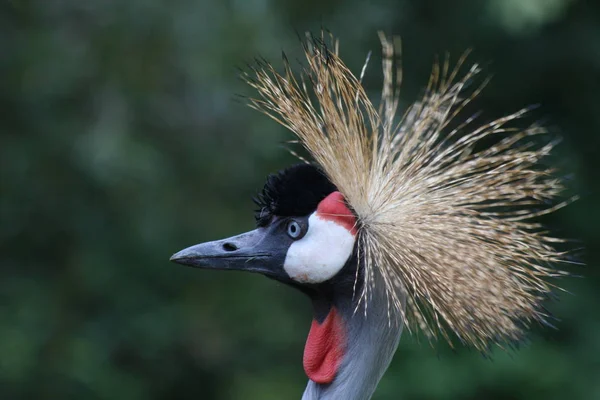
[440,219]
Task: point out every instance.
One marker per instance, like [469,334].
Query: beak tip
[177,257]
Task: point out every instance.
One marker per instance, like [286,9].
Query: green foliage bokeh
[121,142]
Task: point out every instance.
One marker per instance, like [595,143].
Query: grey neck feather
[371,343]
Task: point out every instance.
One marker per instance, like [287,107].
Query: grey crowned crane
[397,222]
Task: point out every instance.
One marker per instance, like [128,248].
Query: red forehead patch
[333,208]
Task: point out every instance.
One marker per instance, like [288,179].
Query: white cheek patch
[321,253]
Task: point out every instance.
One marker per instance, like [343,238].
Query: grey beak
[253,251]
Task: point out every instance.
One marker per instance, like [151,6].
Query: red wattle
[333,208]
[324,348]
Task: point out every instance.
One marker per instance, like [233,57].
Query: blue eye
[294,230]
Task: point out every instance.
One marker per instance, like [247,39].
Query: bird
[422,221]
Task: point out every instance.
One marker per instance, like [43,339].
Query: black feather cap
[294,191]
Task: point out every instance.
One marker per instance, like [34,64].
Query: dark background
[122,142]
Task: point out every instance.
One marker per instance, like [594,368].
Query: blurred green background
[122,142]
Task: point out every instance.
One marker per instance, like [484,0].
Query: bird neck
[348,351]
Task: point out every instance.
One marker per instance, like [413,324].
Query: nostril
[229,247]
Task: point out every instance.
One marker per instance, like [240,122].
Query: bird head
[305,235]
